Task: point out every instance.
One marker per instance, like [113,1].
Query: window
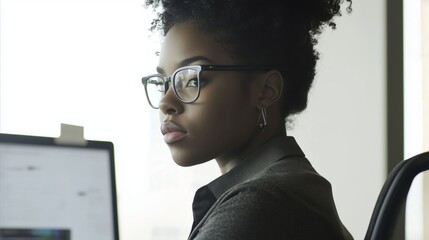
[416,115]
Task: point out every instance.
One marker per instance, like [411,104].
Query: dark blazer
[273,194]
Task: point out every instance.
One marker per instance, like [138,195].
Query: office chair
[393,196]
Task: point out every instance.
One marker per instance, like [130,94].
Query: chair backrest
[393,196]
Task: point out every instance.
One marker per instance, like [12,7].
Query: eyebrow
[185,62]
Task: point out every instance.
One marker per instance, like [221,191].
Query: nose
[170,104]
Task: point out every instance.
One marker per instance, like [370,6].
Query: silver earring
[262,124]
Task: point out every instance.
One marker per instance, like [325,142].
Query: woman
[229,74]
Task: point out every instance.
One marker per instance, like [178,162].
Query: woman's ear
[270,88]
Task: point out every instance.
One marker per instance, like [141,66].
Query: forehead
[184,41]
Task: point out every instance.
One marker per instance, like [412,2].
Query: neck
[228,161]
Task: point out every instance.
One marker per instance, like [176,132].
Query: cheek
[220,121]
[220,124]
[222,110]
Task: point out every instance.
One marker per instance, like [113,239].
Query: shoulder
[290,178]
[277,203]
[287,188]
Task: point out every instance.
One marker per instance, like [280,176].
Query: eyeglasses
[187,81]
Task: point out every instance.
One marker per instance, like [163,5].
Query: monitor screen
[56,192]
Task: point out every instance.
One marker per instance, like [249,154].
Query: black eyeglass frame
[200,69]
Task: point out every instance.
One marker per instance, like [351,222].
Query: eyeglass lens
[155,90]
[185,82]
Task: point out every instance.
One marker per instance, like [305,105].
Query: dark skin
[222,123]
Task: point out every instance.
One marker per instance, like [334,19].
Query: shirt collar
[270,152]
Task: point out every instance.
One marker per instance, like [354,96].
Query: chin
[184,160]
[183,163]
[187,158]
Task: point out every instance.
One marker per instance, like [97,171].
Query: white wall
[343,130]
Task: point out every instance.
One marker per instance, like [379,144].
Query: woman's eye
[192,83]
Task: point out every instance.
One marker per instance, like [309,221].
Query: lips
[172,132]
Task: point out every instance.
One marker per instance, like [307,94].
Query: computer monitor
[51,191]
